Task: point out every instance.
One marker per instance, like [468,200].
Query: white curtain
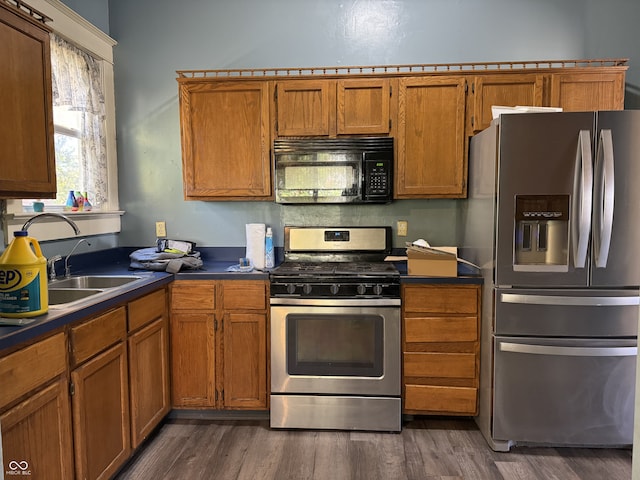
[77,83]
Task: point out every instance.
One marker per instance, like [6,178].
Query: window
[84,129]
[79,124]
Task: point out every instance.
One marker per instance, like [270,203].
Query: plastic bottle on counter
[23,278]
[269,257]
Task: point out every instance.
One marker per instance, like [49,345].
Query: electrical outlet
[403,226]
[161,229]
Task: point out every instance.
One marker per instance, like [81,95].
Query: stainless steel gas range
[335,331]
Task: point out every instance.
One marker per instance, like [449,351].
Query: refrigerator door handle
[582,199]
[604,199]
[568,351]
[560,300]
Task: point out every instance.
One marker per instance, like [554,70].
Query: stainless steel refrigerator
[553,220]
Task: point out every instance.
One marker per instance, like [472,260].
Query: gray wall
[157,37]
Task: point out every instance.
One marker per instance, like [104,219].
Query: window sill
[52,228]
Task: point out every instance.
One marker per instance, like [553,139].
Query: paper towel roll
[255,243]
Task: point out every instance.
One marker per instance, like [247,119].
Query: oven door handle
[336,302]
[568,351]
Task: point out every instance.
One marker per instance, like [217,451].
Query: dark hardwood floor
[427,449]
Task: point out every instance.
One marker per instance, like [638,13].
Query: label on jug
[19,290]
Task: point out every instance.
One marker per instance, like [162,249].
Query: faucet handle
[51,262]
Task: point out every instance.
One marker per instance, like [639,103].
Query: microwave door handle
[604,201]
[582,199]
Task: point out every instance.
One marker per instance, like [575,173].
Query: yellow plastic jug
[23,278]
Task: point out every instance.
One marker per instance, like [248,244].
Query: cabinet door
[192,359]
[101,414]
[245,360]
[148,378]
[579,92]
[305,107]
[363,106]
[27,159]
[225,140]
[505,89]
[431,159]
[36,436]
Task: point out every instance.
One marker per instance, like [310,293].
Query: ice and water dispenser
[541,233]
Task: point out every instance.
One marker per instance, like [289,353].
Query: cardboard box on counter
[432,261]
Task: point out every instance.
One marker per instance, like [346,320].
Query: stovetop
[335,280]
[332,262]
[340,269]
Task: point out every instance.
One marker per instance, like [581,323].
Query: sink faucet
[37,218]
[51,263]
[67,267]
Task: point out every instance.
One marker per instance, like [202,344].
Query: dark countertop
[112,262]
[116,262]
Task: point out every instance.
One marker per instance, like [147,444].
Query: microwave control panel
[377,178]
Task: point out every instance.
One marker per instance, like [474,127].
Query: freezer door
[616,223]
[564,392]
[567,313]
[543,162]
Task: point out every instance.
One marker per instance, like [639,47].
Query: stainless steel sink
[67,291]
[94,281]
[60,296]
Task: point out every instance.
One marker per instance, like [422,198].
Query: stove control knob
[334,289]
[377,289]
[306,289]
[291,289]
[362,289]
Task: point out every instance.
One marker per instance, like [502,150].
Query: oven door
[328,347]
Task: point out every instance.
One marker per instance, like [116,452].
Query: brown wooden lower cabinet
[35,415]
[80,410]
[193,360]
[219,344]
[101,420]
[148,347]
[441,350]
[36,435]
[441,399]
[245,373]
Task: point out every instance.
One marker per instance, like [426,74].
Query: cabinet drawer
[244,295]
[435,399]
[30,367]
[193,295]
[437,299]
[146,309]
[96,335]
[439,365]
[441,329]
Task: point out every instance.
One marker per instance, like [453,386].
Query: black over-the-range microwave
[337,170]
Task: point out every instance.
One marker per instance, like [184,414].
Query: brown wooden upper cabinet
[333,107]
[586,91]
[27,158]
[230,117]
[508,89]
[225,140]
[430,144]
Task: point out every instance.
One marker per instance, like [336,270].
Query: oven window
[335,345]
